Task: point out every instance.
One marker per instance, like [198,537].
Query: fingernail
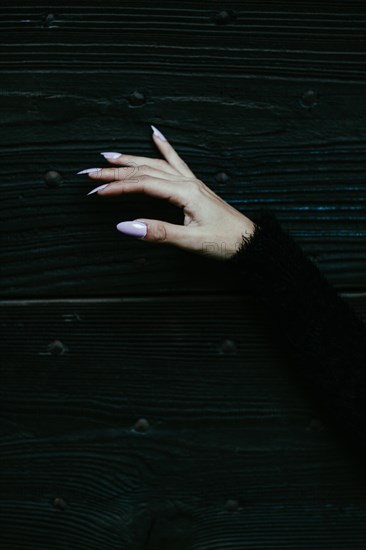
[158,134]
[98,188]
[89,171]
[136,229]
[111,155]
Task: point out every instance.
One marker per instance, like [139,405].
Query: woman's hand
[211,226]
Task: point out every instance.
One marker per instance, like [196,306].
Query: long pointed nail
[158,134]
[111,155]
[98,188]
[135,229]
[89,171]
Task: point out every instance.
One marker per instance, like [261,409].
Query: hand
[211,226]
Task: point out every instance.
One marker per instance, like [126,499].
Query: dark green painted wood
[282,116]
[233,455]
[153,409]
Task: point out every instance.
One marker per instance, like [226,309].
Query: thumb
[156,231]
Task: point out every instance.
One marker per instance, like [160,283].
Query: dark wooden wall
[144,400]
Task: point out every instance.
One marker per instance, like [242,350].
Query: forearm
[320,329]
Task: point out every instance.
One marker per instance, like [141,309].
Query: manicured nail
[89,171]
[158,134]
[136,229]
[111,155]
[98,188]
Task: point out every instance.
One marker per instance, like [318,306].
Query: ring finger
[128,172]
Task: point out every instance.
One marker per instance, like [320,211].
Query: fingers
[158,231]
[173,165]
[128,172]
[170,154]
[170,179]
[175,191]
[132,160]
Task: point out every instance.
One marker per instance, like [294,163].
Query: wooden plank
[270,96]
[311,175]
[230,454]
[158,411]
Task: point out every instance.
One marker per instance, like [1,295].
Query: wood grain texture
[144,403]
[233,455]
[274,99]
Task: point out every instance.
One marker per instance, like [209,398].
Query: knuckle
[194,184]
[160,232]
[161,163]
[130,173]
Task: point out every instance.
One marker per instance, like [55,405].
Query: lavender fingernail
[135,229]
[89,171]
[111,155]
[158,134]
[98,188]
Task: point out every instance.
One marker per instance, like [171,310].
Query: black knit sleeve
[322,332]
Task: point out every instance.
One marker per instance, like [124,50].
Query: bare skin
[211,226]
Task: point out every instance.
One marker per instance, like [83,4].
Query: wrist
[245,233]
[230,248]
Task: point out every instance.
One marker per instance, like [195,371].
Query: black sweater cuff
[277,267]
[310,319]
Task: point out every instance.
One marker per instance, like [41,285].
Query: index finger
[123,159]
[170,154]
